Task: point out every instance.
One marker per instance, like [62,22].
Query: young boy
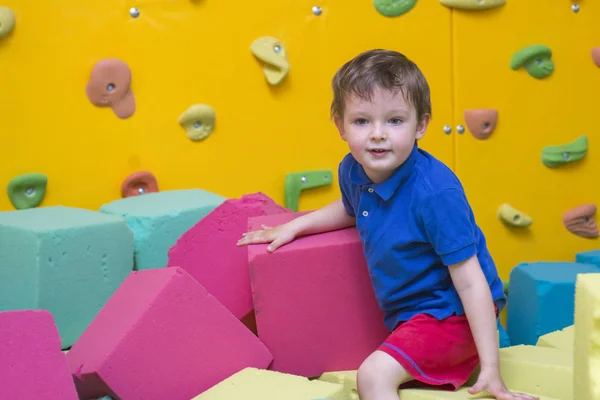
[428,262]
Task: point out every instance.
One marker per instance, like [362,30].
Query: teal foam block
[588,257]
[159,219]
[542,299]
[503,336]
[68,261]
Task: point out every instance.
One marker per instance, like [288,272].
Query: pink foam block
[315,306]
[32,365]
[209,253]
[161,336]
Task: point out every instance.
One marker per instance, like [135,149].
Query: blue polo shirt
[412,226]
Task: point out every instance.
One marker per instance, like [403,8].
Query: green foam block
[68,261]
[159,219]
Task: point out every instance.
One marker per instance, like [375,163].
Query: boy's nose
[377,133]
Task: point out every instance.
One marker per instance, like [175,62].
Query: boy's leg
[379,376]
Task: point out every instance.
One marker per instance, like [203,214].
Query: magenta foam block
[161,336]
[32,365]
[315,307]
[209,253]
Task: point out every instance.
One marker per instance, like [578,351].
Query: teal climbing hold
[27,191]
[394,8]
[298,181]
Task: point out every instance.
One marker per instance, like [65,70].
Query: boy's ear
[422,126]
[339,123]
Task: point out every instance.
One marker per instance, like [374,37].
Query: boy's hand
[490,381]
[277,236]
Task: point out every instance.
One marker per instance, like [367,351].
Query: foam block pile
[175,332]
[542,298]
[68,261]
[173,329]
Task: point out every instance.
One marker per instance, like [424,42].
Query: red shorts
[438,353]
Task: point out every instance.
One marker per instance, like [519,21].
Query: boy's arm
[474,292]
[331,217]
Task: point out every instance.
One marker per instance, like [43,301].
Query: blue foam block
[159,219]
[504,339]
[588,257]
[542,299]
[68,261]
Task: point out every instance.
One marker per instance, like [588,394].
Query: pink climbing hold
[209,253]
[32,365]
[161,336]
[315,307]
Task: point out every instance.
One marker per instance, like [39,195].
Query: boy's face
[380,133]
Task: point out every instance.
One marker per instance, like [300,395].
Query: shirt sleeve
[344,189]
[449,225]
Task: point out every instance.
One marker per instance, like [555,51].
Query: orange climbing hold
[580,221]
[110,86]
[141,182]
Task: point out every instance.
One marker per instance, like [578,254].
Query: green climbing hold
[536,59]
[555,156]
[298,181]
[394,8]
[27,191]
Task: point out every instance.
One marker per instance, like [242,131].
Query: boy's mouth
[378,152]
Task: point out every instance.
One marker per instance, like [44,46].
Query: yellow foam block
[587,337]
[562,339]
[348,379]
[258,384]
[544,371]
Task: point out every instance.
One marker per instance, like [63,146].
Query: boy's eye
[395,121]
[361,121]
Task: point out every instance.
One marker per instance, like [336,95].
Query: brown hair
[386,69]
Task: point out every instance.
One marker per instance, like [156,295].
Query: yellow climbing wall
[185,52]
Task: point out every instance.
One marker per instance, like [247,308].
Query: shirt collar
[385,189]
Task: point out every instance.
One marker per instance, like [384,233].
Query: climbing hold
[298,181]
[514,217]
[198,121]
[555,156]
[394,8]
[271,52]
[580,221]
[27,191]
[536,59]
[596,56]
[481,122]
[7,21]
[110,86]
[473,4]
[138,183]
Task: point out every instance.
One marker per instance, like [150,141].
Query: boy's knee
[380,370]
